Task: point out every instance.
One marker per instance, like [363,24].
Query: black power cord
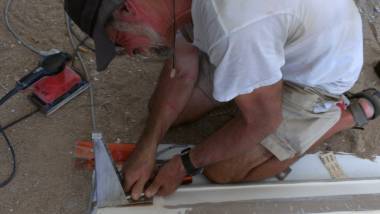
[10,146]
[8,95]
[13,155]
[13,92]
[8,142]
[20,119]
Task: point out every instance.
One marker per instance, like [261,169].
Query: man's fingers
[128,184]
[153,188]
[138,188]
[165,191]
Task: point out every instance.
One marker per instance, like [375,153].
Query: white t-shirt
[255,43]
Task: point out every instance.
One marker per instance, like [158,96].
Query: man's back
[255,43]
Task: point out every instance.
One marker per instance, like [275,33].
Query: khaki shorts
[308,113]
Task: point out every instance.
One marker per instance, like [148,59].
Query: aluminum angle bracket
[109,189]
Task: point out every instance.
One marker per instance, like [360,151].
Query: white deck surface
[309,181]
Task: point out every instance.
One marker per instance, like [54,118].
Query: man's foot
[364,106]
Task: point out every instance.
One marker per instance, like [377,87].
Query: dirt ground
[46,180]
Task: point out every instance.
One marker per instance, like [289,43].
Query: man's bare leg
[259,164]
[274,166]
[237,169]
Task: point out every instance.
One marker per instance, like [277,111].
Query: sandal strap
[358,113]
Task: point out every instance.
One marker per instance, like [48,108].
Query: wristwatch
[188,165]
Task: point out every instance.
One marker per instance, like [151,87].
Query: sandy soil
[47,181]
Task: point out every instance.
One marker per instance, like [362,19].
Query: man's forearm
[167,103]
[159,121]
[235,138]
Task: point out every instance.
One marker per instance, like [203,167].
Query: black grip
[55,63]
[49,66]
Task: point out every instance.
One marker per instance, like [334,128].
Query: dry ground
[47,181]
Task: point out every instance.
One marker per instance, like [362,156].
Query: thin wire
[174,35]
[20,119]
[79,55]
[14,34]
[83,41]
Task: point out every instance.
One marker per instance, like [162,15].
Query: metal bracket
[109,189]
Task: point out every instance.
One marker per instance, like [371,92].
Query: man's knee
[270,168]
[187,62]
[219,178]
[236,170]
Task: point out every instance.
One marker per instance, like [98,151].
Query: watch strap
[188,165]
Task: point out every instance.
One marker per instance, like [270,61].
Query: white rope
[85,69]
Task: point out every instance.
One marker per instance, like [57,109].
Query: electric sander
[53,91]
[55,83]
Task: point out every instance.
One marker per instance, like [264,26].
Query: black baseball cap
[91,16]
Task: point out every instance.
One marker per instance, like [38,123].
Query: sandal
[377,69]
[373,96]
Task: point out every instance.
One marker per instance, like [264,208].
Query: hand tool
[54,83]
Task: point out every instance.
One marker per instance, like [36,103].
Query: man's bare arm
[261,114]
[167,103]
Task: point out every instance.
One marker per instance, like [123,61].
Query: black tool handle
[31,78]
[49,66]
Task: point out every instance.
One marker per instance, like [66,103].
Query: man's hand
[169,177]
[137,171]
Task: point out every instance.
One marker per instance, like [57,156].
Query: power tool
[54,82]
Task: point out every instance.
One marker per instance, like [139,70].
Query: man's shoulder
[237,14]
[215,20]
[232,15]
